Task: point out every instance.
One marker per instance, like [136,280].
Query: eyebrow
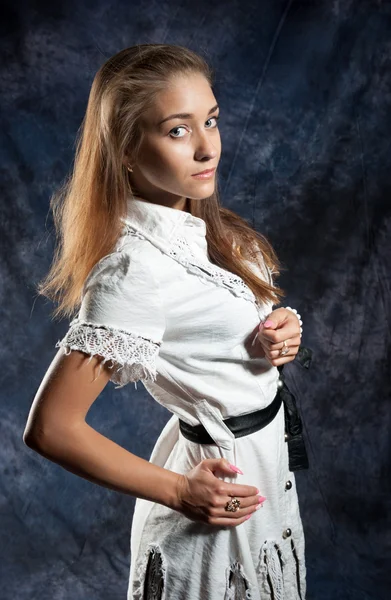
[185,115]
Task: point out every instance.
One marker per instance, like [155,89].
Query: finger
[238,490]
[219,466]
[276,354]
[247,507]
[293,342]
[282,360]
[288,357]
[275,336]
[221,502]
[232,522]
[276,362]
[232,515]
[245,503]
[223,513]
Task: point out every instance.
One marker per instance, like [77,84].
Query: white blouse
[169,317]
[164,314]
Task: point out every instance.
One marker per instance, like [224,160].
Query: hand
[202,496]
[281,324]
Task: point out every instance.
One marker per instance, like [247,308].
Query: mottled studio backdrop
[305,95]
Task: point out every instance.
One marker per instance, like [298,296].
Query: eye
[216,118]
[175,129]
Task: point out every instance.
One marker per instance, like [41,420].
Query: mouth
[205,174]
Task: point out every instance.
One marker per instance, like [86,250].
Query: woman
[173,290]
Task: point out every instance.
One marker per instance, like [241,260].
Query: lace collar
[163,224]
[182,236]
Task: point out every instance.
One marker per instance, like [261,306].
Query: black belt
[249,423]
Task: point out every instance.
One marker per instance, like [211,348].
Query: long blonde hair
[87,209]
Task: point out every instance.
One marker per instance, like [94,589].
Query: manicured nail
[261,499]
[235,469]
[248,516]
[258,506]
[268,323]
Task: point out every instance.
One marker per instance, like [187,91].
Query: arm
[56,428]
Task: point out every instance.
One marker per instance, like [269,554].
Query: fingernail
[258,506]
[248,516]
[268,323]
[235,469]
[261,499]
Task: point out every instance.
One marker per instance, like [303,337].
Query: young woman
[172,289]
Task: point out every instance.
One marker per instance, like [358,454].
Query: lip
[204,174]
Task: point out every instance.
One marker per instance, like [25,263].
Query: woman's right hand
[202,496]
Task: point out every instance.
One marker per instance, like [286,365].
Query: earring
[129,168]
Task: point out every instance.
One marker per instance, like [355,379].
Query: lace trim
[183,254]
[270,570]
[237,585]
[133,356]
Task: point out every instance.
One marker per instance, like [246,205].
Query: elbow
[35,439]
[50,442]
[40,438]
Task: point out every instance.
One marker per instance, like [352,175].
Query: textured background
[304,89]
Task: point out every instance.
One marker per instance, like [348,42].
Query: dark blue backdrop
[304,89]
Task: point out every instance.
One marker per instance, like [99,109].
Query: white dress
[169,317]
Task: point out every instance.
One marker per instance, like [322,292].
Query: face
[175,148]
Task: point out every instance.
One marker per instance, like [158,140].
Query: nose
[205,146]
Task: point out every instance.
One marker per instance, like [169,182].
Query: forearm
[87,453]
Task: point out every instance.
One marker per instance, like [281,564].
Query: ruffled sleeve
[121,318]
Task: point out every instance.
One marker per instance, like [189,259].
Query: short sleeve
[121,318]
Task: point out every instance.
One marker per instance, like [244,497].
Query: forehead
[184,93]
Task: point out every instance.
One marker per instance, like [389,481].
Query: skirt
[175,558]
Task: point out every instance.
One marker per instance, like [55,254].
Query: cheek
[163,157]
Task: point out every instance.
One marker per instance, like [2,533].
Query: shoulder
[132,263]
[121,316]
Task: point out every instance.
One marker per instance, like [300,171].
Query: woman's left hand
[281,324]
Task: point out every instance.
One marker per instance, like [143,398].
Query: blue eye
[217,117]
[176,128]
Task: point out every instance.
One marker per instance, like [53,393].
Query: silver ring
[284,350]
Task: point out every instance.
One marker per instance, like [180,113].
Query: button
[288,485]
[286,533]
[280,383]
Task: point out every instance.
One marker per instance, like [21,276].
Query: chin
[204,192]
